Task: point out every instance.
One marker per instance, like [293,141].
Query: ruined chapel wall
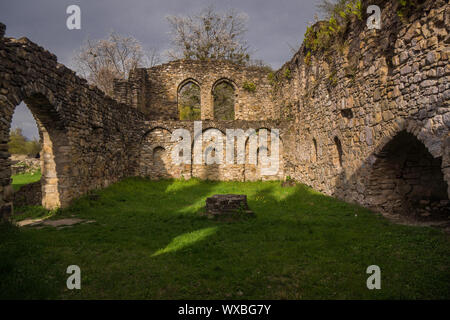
[381,83]
[89,137]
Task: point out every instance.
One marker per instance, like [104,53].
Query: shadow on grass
[25,269]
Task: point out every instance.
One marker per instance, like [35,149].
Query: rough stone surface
[28,195]
[385,84]
[87,137]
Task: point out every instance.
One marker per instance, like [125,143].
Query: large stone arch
[406,179]
[90,140]
[55,146]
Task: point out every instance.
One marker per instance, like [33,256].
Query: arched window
[337,155]
[314,151]
[224,96]
[189,101]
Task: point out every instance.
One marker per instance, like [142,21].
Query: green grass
[149,242]
[20,180]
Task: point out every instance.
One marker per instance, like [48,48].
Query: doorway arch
[54,154]
[406,179]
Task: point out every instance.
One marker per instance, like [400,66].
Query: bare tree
[328,7]
[102,61]
[152,58]
[210,35]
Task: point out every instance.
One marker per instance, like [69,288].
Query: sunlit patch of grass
[186,239]
[20,180]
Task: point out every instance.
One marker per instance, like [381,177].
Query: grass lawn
[20,180]
[149,242]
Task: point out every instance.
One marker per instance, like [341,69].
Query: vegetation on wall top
[287,73]
[322,35]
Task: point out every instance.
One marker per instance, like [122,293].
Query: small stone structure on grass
[227,205]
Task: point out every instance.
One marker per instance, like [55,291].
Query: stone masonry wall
[156,151]
[154,91]
[87,137]
[350,105]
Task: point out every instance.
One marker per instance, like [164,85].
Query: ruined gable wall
[154,91]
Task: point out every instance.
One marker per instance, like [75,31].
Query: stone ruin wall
[88,139]
[357,113]
[156,151]
[154,91]
[347,121]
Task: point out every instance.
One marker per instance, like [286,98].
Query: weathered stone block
[225,204]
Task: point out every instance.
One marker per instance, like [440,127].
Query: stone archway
[53,137]
[155,160]
[213,150]
[407,180]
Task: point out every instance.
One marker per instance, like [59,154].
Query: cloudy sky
[273,27]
